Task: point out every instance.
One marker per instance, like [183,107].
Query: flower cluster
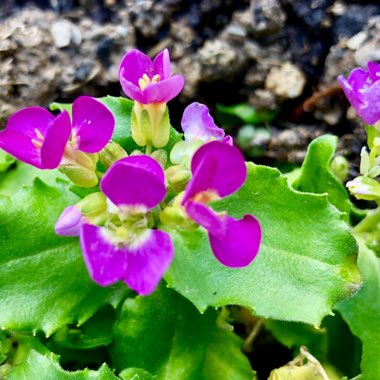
[124,225]
[362,89]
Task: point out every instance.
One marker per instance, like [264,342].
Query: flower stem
[148,149]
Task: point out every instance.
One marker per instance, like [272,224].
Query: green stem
[369,222]
[148,149]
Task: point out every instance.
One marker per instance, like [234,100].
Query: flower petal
[135,180]
[198,124]
[22,127]
[21,147]
[27,120]
[161,65]
[70,222]
[148,262]
[206,217]
[56,138]
[374,70]
[163,91]
[133,65]
[93,124]
[371,113]
[105,263]
[240,243]
[132,91]
[217,167]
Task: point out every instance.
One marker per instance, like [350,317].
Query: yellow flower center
[144,81]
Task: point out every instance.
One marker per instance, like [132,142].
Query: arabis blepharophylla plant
[172,229]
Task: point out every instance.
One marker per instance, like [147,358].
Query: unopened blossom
[362,89]
[149,82]
[219,170]
[198,124]
[198,128]
[35,136]
[124,247]
[151,85]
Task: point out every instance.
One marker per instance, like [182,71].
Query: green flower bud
[364,188]
[340,167]
[183,151]
[111,153]
[160,156]
[94,208]
[173,216]
[177,177]
[150,124]
[80,176]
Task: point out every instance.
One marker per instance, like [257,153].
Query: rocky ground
[279,55]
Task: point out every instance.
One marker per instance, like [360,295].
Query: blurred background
[266,68]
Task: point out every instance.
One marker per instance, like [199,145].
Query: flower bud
[340,167]
[174,216]
[80,176]
[150,124]
[177,177]
[160,156]
[94,208]
[183,151]
[69,222]
[110,153]
[364,188]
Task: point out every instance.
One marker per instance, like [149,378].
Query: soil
[271,54]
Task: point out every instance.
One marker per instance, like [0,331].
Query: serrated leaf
[362,312]
[165,335]
[136,374]
[24,175]
[306,263]
[316,175]
[37,366]
[44,284]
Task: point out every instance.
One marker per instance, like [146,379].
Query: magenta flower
[198,124]
[362,89]
[149,82]
[33,135]
[219,170]
[125,248]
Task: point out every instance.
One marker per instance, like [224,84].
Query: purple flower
[125,248]
[33,135]
[362,89]
[219,170]
[198,124]
[149,82]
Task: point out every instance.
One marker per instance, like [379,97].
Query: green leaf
[306,263]
[44,284]
[5,161]
[316,175]
[96,332]
[136,374]
[245,113]
[37,366]
[165,335]
[362,312]
[24,175]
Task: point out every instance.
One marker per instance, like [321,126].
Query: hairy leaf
[306,263]
[362,312]
[167,336]
[37,366]
[43,280]
[316,175]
